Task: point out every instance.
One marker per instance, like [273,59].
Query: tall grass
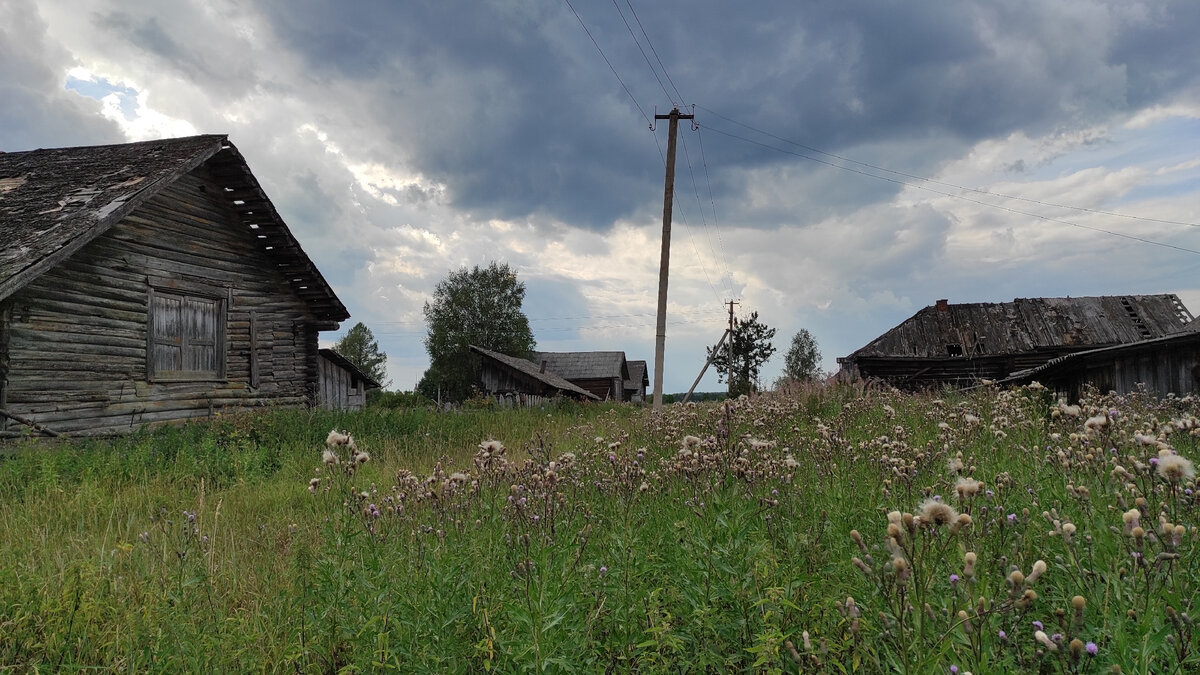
[821,530]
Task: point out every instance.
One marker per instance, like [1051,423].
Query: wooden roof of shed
[54,201]
[345,364]
[1030,324]
[585,365]
[533,370]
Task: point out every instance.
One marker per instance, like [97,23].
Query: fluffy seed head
[937,513]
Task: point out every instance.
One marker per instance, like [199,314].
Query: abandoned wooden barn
[1160,367]
[516,382]
[342,385]
[960,344]
[602,373]
[150,282]
[639,380]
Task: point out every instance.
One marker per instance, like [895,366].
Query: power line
[960,197]
[946,184]
[610,65]
[704,219]
[655,51]
[643,51]
[713,203]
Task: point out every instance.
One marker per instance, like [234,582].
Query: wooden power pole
[729,362]
[660,341]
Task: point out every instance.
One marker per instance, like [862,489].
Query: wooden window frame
[220,340]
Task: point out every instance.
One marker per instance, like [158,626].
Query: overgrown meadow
[830,529]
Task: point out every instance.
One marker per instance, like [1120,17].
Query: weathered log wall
[75,342]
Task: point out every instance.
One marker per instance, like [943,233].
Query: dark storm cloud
[513,108]
[36,110]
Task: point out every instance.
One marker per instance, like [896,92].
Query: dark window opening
[954,349]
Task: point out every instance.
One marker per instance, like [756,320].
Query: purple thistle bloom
[1153,461]
[1091,648]
[953,579]
[1038,625]
[603,570]
[1002,635]
[954,670]
[1012,517]
[1057,637]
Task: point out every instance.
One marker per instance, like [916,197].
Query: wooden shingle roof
[1029,324]
[585,365]
[54,201]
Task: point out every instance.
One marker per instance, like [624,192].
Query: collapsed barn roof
[952,343]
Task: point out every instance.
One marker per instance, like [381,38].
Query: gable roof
[1030,324]
[533,370]
[344,363]
[637,375]
[55,201]
[585,365]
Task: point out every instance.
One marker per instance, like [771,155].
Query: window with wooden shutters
[186,337]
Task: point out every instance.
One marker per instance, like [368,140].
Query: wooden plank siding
[73,352]
[340,390]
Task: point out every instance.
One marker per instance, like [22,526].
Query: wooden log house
[602,373]
[146,283]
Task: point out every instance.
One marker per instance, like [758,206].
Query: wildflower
[1039,568]
[329,457]
[1176,468]
[335,438]
[967,487]
[1091,649]
[361,457]
[1041,637]
[603,570]
[937,513]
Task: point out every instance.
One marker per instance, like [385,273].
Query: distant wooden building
[342,385]
[639,380]
[963,343]
[150,282]
[1160,367]
[602,373]
[516,382]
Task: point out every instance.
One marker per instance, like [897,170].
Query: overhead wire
[957,196]
[655,51]
[610,65]
[643,51]
[703,218]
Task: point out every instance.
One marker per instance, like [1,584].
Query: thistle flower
[361,457]
[1039,568]
[1175,468]
[937,513]
[1041,637]
[329,457]
[967,487]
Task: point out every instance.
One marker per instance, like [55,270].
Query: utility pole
[660,341]
[729,374]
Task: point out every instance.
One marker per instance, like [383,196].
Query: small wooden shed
[150,282]
[1160,367]
[959,344]
[343,385]
[602,373]
[639,380]
[516,382]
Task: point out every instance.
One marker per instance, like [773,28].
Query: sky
[851,162]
